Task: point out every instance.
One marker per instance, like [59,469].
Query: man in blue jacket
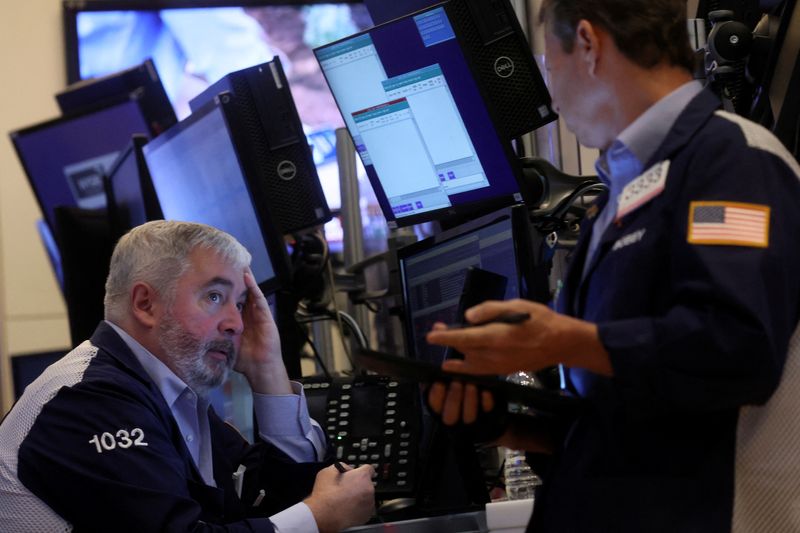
[680,302]
[118,435]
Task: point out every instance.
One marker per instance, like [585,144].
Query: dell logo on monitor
[287,170]
[503,66]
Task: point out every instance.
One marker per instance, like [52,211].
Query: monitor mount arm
[729,45]
[552,191]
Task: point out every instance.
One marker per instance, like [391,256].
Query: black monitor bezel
[270,231]
[464,210]
[519,218]
[151,206]
[13,135]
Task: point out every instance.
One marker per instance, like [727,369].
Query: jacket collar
[105,338]
[694,116]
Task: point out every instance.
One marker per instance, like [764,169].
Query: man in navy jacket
[680,302]
[119,436]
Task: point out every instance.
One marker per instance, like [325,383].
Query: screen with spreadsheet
[418,119]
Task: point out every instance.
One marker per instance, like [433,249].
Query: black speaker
[276,143]
[503,64]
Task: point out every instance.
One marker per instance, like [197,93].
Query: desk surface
[474,522]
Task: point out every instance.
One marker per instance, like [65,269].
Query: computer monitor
[433,144]
[276,141]
[65,158]
[51,248]
[381,11]
[199,175]
[432,271]
[132,200]
[142,79]
[25,368]
[194,43]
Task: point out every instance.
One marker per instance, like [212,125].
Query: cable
[355,328]
[316,353]
[562,209]
[373,307]
[344,319]
[338,316]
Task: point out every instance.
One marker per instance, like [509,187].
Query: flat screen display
[193,47]
[125,189]
[432,274]
[197,177]
[418,119]
[66,158]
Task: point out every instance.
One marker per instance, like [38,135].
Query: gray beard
[189,357]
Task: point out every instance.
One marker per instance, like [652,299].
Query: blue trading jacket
[694,332]
[106,454]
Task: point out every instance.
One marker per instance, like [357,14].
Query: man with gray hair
[119,435]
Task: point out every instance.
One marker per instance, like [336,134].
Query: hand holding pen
[537,338]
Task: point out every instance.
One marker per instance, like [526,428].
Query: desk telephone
[371,420]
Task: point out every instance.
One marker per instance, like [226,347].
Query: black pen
[510,318]
[340,467]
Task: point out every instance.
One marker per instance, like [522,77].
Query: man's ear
[587,45]
[144,304]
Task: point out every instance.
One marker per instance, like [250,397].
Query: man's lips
[222,351]
[218,356]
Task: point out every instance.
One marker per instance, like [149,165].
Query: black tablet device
[543,402]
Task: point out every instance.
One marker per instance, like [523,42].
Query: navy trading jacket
[696,294]
[104,453]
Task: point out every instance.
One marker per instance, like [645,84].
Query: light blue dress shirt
[625,159]
[282,420]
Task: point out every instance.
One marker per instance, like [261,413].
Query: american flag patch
[729,223]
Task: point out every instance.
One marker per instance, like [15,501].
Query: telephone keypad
[373,420]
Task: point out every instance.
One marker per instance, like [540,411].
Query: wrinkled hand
[547,338]
[260,352]
[342,500]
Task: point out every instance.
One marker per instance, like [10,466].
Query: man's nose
[232,323]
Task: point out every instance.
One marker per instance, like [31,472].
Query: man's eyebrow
[218,280]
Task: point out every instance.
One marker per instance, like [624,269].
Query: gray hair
[158,253]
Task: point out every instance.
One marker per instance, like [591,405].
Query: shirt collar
[171,386]
[638,142]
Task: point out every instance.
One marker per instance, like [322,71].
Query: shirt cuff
[296,519]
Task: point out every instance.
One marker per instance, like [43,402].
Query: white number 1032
[122,438]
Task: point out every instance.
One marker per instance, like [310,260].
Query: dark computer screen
[198,177]
[432,274]
[65,159]
[129,190]
[25,368]
[53,253]
[418,119]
